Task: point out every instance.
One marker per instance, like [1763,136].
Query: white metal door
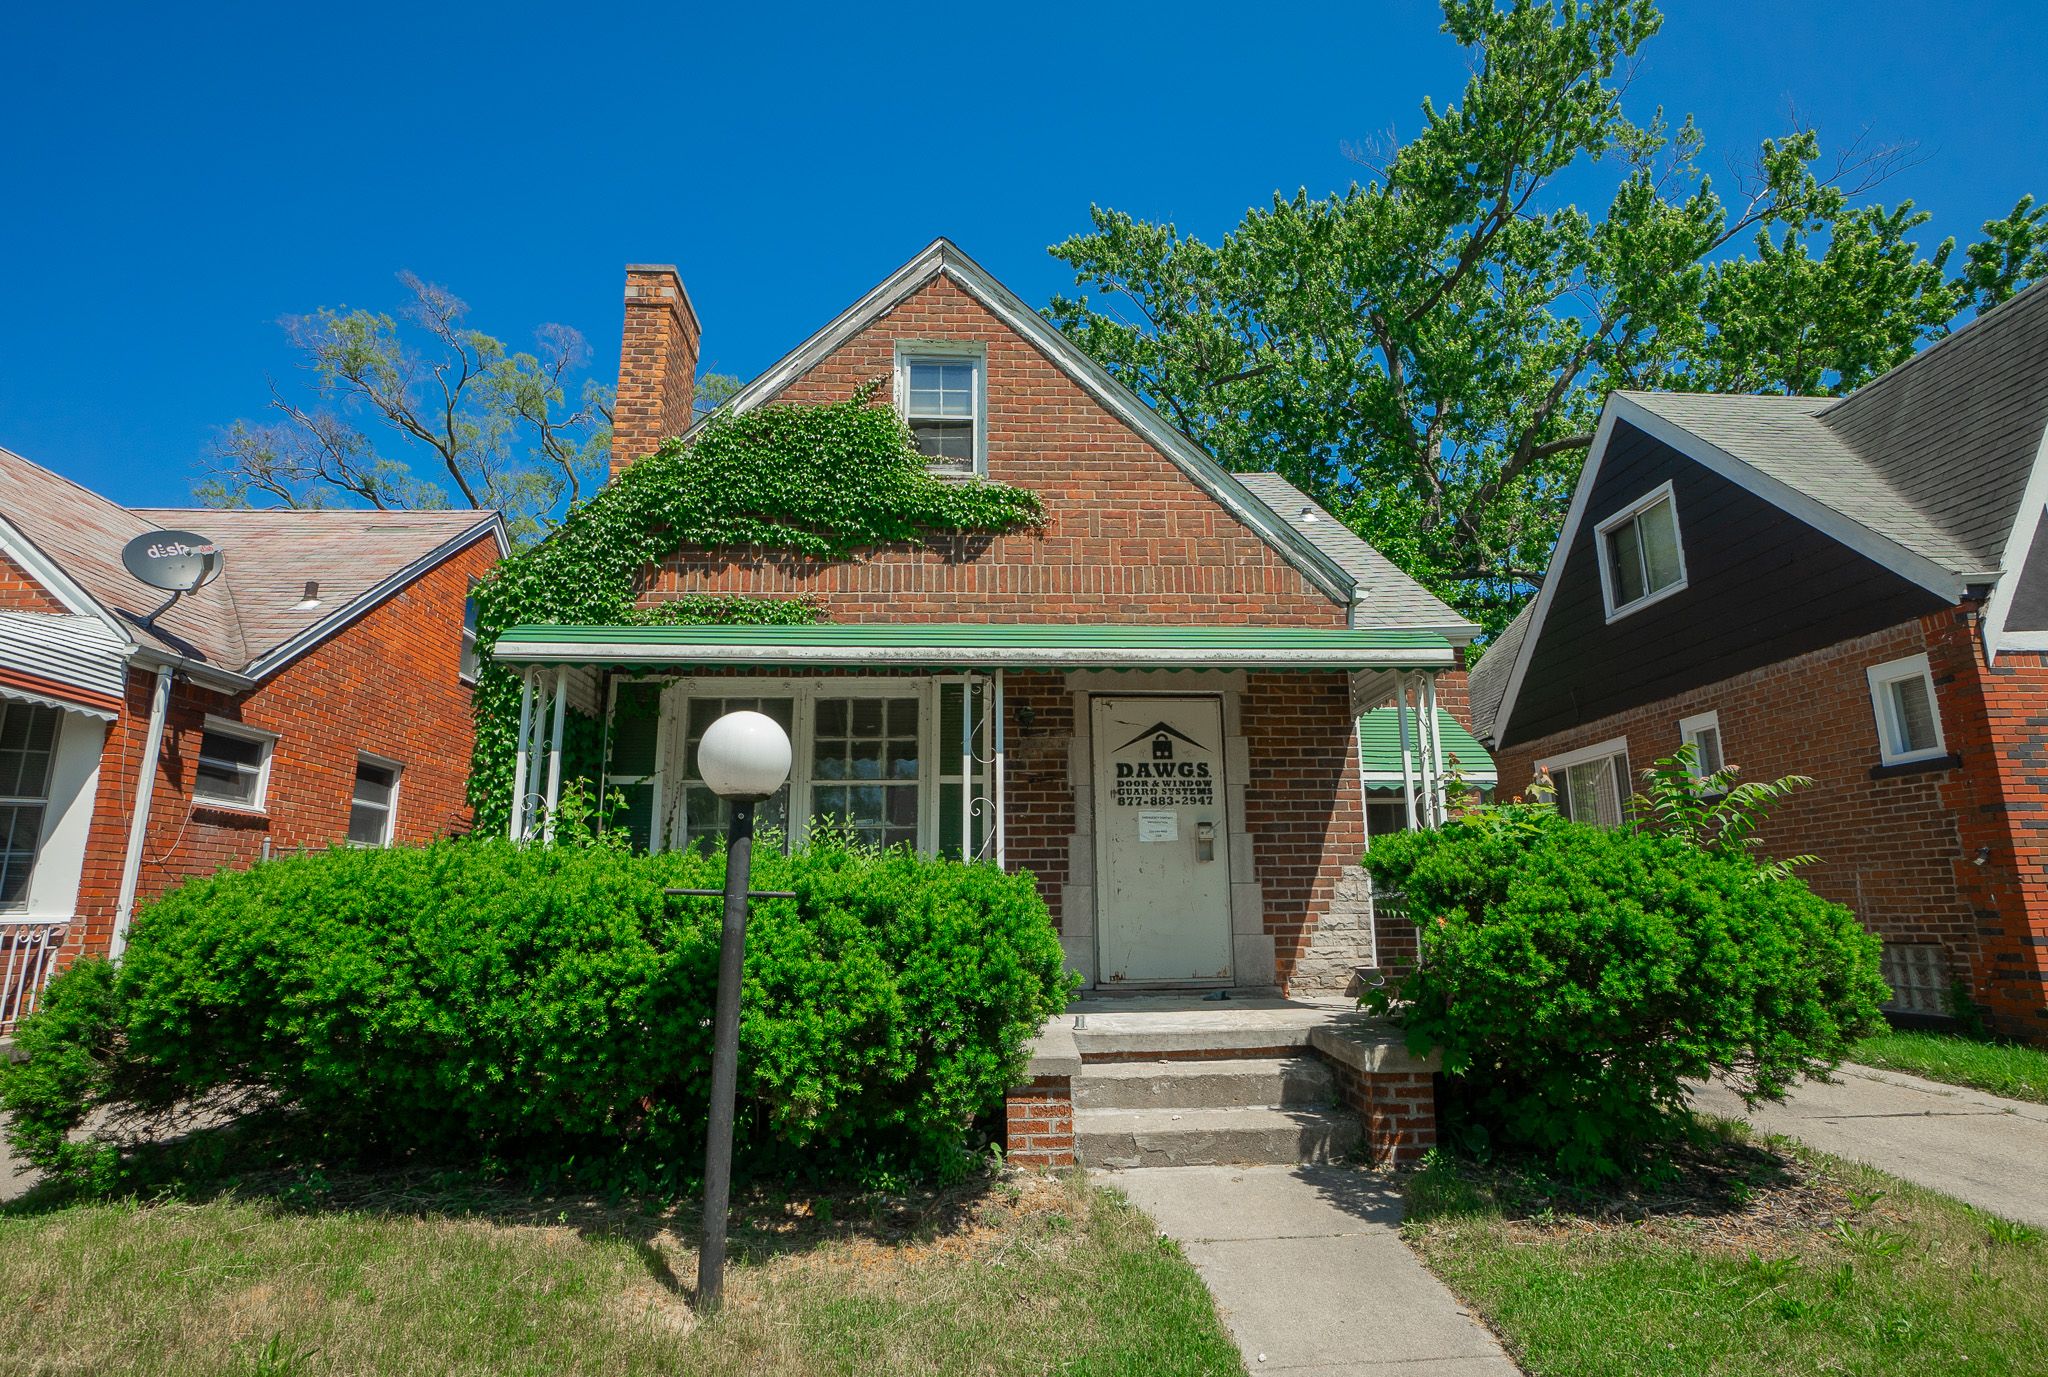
[1162,859]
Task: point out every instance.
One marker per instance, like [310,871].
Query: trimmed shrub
[1576,977]
[549,1009]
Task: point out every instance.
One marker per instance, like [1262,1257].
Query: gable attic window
[234,766]
[1908,722]
[1641,561]
[1592,783]
[939,391]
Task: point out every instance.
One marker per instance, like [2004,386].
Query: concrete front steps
[1210,1112]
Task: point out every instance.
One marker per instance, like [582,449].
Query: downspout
[138,825]
[518,830]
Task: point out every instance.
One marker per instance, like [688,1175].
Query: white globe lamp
[743,755]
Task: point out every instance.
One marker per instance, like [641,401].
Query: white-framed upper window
[1641,558]
[1908,717]
[1702,732]
[373,807]
[468,663]
[942,394]
[234,765]
[1592,782]
[28,746]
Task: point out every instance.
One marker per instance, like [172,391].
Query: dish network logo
[175,548]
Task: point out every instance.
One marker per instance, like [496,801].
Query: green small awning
[1379,735]
[1139,645]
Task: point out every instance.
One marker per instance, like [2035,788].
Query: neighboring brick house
[1852,589]
[316,691]
[1150,702]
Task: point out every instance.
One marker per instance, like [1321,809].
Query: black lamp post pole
[725,1056]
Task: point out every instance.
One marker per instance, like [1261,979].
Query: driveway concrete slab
[1309,1271]
[1979,1148]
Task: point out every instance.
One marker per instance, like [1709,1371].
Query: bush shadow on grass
[267,1158]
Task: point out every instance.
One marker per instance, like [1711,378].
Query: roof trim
[2012,562]
[1880,549]
[942,256]
[287,651]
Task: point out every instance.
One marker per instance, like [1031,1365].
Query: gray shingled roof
[1489,682]
[1933,455]
[1392,598]
[247,612]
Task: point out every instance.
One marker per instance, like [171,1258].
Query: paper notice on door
[1163,826]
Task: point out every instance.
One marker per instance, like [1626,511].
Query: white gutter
[966,657]
[138,824]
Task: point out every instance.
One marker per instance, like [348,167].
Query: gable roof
[243,624]
[1937,470]
[943,257]
[1488,682]
[1386,596]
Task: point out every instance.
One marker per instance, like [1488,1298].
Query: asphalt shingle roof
[268,558]
[1392,598]
[1488,684]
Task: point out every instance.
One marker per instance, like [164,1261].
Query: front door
[1162,860]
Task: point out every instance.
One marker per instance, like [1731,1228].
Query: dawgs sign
[1172,770]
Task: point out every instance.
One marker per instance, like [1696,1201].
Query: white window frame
[1689,729]
[948,351]
[1663,492]
[1613,746]
[390,813]
[1881,678]
[43,802]
[227,726]
[467,664]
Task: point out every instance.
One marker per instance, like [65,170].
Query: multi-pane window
[1908,722]
[865,767]
[705,815]
[1592,785]
[28,740]
[232,768]
[374,803]
[1703,733]
[942,405]
[1640,556]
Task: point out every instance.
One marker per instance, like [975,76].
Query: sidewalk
[1978,1148]
[1310,1274]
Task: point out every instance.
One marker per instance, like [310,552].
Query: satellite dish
[177,561]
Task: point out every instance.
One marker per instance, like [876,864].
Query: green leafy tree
[1427,352]
[424,410]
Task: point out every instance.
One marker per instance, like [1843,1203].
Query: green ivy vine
[825,481]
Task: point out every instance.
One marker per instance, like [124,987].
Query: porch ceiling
[979,645]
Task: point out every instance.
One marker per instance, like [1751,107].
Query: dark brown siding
[1762,586]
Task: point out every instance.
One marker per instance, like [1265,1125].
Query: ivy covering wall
[826,481]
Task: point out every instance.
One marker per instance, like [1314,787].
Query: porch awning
[1379,739]
[962,646]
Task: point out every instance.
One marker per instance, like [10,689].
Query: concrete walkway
[1990,1152]
[1310,1273]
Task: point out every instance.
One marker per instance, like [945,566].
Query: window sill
[1916,767]
[1629,609]
[239,810]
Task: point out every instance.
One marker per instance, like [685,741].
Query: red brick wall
[1398,1109]
[1899,851]
[19,592]
[1128,534]
[387,685]
[1038,1123]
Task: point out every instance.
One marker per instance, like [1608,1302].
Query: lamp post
[743,758]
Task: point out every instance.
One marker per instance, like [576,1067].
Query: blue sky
[178,177]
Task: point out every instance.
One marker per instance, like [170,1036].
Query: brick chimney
[657,364]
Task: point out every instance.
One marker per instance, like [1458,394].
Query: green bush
[1576,977]
[549,1009]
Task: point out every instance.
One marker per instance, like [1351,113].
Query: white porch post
[967,767]
[1001,820]
[554,799]
[519,765]
[1433,752]
[1407,755]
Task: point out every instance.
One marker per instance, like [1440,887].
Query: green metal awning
[1379,738]
[1147,645]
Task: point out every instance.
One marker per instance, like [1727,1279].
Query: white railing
[28,957]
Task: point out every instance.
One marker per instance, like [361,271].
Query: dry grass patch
[1017,1274]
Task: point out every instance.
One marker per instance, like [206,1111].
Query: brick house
[1852,589]
[1151,702]
[317,690]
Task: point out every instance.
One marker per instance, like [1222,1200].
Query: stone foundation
[1342,942]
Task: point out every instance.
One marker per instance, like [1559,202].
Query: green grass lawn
[1025,1275]
[2019,1073]
[1777,1261]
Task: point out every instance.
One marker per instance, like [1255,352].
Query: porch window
[632,772]
[941,394]
[1641,561]
[864,767]
[1592,784]
[1908,722]
[28,741]
[705,816]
